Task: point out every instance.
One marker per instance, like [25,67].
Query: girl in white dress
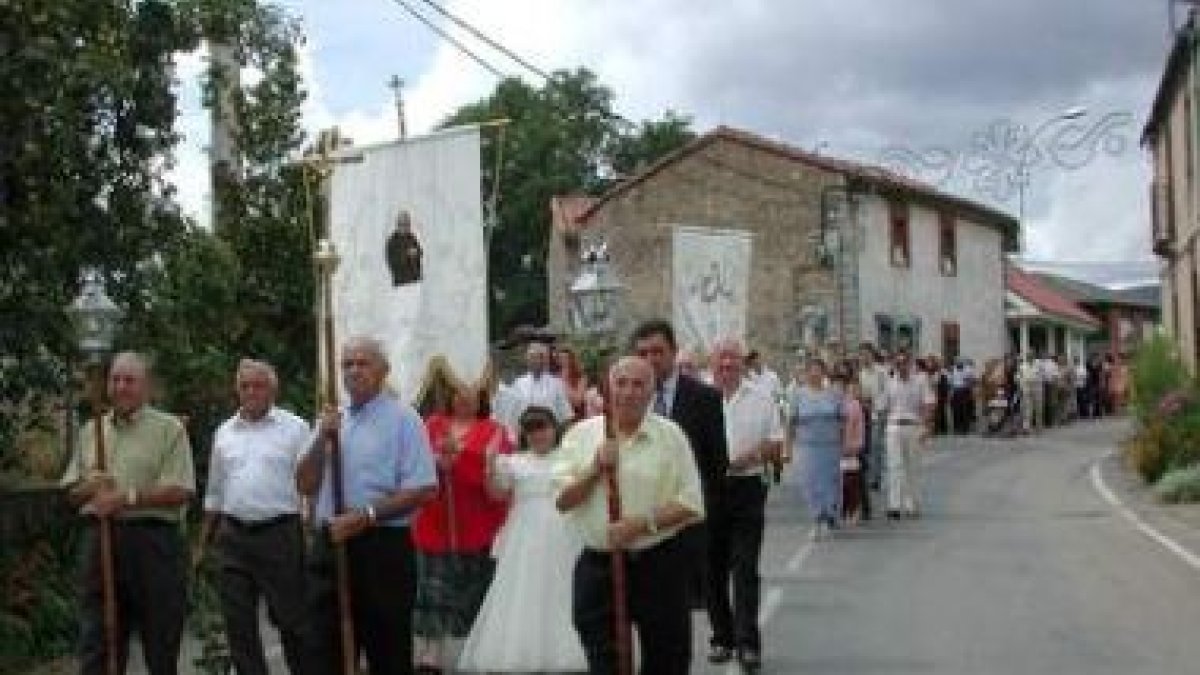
[525,622]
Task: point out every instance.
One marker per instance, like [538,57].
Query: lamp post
[830,246]
[96,317]
[1026,152]
[596,295]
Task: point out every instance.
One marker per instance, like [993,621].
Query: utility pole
[397,86]
[224,159]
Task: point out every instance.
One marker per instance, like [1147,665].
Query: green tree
[638,146]
[563,138]
[88,117]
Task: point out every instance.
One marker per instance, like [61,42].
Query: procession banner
[711,278]
[407,221]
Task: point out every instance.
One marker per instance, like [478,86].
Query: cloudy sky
[854,78]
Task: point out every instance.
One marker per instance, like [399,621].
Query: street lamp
[596,294]
[1024,160]
[96,317]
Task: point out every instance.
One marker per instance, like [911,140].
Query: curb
[1171,545]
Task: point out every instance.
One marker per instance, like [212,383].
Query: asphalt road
[1018,567]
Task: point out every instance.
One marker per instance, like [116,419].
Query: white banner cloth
[435,179]
[711,278]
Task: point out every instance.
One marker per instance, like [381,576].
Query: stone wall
[726,185]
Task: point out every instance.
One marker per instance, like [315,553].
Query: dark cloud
[863,75]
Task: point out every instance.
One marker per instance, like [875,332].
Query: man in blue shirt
[387,473]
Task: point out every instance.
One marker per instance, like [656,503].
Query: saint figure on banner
[403,252]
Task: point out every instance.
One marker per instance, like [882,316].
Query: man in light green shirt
[660,492]
[148,481]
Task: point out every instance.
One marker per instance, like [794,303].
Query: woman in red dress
[453,534]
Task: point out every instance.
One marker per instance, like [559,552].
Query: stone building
[1170,137]
[841,252]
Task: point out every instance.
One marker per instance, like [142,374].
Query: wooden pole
[341,564]
[108,586]
[621,628]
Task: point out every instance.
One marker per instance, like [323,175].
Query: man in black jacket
[696,408]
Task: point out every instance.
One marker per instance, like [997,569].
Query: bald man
[145,491]
[660,494]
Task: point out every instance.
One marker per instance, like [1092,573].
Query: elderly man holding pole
[655,477]
[141,495]
[388,472]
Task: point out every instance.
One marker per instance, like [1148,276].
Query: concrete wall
[973,298]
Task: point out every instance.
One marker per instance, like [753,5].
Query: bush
[1165,401]
[1156,373]
[38,610]
[1180,486]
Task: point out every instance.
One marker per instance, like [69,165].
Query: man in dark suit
[697,409]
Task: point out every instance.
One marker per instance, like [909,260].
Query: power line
[461,23]
[450,38]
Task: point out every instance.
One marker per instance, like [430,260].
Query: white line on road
[1166,542]
[773,598]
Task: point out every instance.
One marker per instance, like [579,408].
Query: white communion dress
[525,622]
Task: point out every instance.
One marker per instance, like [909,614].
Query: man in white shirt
[872,379]
[252,510]
[1033,394]
[762,375]
[538,386]
[909,401]
[754,435]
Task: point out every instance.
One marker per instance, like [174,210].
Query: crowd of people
[484,536]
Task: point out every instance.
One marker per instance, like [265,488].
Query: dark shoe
[750,659]
[893,515]
[719,654]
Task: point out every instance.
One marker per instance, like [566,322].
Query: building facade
[1170,138]
[841,252]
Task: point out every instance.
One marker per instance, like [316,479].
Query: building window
[947,245]
[951,345]
[899,241]
[884,337]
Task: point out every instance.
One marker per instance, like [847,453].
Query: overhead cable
[450,38]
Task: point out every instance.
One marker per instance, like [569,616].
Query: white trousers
[903,467]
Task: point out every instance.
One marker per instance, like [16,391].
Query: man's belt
[261,524]
[903,422]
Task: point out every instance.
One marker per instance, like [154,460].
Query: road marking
[773,598]
[1145,528]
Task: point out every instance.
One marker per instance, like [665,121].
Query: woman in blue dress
[817,416]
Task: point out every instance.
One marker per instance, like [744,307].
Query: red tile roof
[1045,298]
[566,211]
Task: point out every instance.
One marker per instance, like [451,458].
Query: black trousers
[382,589]
[262,561]
[657,598]
[960,410]
[697,560]
[735,538]
[150,574]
